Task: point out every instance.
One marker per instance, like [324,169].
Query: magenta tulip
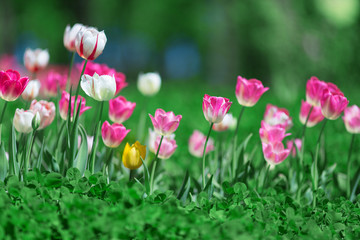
[165,123]
[315,116]
[215,108]
[120,109]
[197,142]
[12,85]
[114,134]
[290,145]
[64,105]
[53,82]
[352,119]
[333,104]
[270,133]
[275,116]
[314,91]
[248,92]
[167,148]
[274,152]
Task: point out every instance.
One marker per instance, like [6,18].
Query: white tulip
[101,88]
[70,36]
[31,91]
[36,60]
[149,83]
[22,120]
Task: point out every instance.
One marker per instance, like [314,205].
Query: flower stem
[303,137]
[349,166]
[314,170]
[96,140]
[78,86]
[235,142]
[154,166]
[204,154]
[238,122]
[28,153]
[3,111]
[70,69]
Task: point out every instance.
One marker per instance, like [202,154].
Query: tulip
[36,60]
[64,105]
[101,88]
[315,116]
[270,133]
[275,116]
[197,142]
[248,92]
[228,122]
[352,119]
[152,139]
[120,109]
[132,155]
[31,91]
[290,145]
[333,104]
[165,123]
[149,83]
[167,147]
[70,36]
[22,120]
[215,108]
[314,90]
[90,43]
[274,152]
[12,85]
[46,111]
[53,82]
[114,134]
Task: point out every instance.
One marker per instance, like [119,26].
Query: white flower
[22,120]
[149,83]
[101,88]
[90,43]
[36,60]
[70,36]
[31,91]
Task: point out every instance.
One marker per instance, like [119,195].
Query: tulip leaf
[3,163]
[146,177]
[38,162]
[209,187]
[13,163]
[184,190]
[82,156]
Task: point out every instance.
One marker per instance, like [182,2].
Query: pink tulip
[114,134]
[315,116]
[290,145]
[315,89]
[197,142]
[333,104]
[90,43]
[46,111]
[152,139]
[274,152]
[167,148]
[52,82]
[275,116]
[352,119]
[120,109]
[270,133]
[12,85]
[165,123]
[248,92]
[229,122]
[64,105]
[215,108]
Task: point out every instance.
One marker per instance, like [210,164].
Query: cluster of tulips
[75,148]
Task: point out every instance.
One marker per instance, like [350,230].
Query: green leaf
[82,156]
[184,190]
[53,180]
[3,163]
[14,167]
[209,187]
[38,162]
[146,177]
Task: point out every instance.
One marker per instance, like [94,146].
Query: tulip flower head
[22,120]
[167,147]
[36,60]
[215,108]
[248,92]
[120,109]
[64,105]
[270,133]
[90,43]
[229,122]
[197,142]
[46,111]
[152,139]
[314,91]
[70,36]
[114,134]
[315,116]
[290,145]
[274,152]
[165,123]
[101,88]
[132,155]
[352,119]
[31,91]
[333,104]
[275,116]
[53,82]
[12,85]
[149,83]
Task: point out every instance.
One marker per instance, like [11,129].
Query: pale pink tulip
[215,108]
[12,85]
[120,109]
[167,147]
[165,123]
[46,111]
[248,92]
[64,105]
[315,116]
[293,149]
[114,134]
[352,119]
[152,139]
[333,104]
[274,152]
[229,122]
[196,144]
[275,116]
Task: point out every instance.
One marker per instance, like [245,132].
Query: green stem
[238,122]
[154,166]
[3,111]
[78,86]
[235,143]
[349,166]
[96,139]
[204,154]
[70,69]
[28,153]
[142,121]
[303,137]
[131,174]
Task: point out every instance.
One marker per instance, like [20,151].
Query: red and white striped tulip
[90,43]
[70,36]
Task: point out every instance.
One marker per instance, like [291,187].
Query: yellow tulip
[131,155]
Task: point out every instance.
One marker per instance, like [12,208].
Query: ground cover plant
[102,159]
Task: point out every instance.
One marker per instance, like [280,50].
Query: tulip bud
[113,135]
[197,142]
[64,105]
[36,60]
[35,123]
[101,88]
[228,122]
[167,147]
[165,123]
[70,36]
[315,116]
[46,111]
[149,83]
[31,91]
[132,155]
[22,120]
[215,108]
[120,109]
[90,43]
[248,92]
[333,104]
[352,119]
[12,85]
